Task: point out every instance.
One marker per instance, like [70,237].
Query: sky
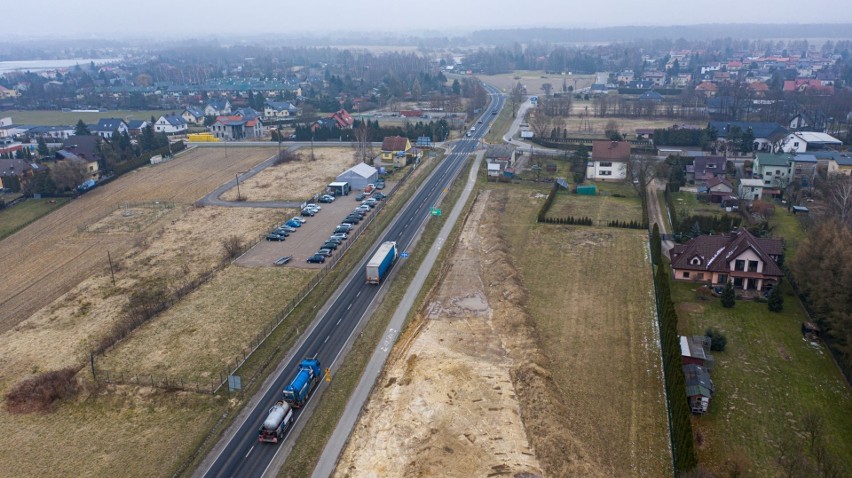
[202,18]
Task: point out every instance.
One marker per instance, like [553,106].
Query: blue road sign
[403,254]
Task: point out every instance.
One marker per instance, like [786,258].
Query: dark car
[281,232]
[359,197]
[274,237]
[316,259]
[351,220]
[309,212]
[336,240]
[326,198]
[378,196]
[345,228]
[286,228]
[329,245]
[324,252]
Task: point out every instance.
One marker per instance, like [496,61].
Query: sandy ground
[446,405]
[296,181]
[53,247]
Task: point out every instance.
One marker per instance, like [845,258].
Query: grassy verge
[600,208]
[501,125]
[278,344]
[315,435]
[53,117]
[787,225]
[765,381]
[20,215]
[664,210]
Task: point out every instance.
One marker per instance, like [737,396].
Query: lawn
[765,380]
[16,217]
[55,117]
[601,209]
[687,204]
[787,225]
[500,125]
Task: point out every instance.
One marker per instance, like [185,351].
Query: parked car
[363,208]
[274,237]
[340,235]
[316,259]
[314,206]
[343,228]
[309,212]
[330,245]
[286,228]
[292,223]
[326,198]
[352,218]
[300,219]
[380,184]
[335,240]
[378,196]
[324,252]
[281,232]
[359,197]
[371,202]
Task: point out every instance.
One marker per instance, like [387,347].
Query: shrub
[233,246]
[729,298]
[718,341]
[776,300]
[38,393]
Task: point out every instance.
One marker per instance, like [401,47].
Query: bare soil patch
[295,181]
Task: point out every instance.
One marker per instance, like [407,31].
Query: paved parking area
[307,239]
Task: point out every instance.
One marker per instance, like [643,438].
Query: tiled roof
[715,251]
[394,143]
[603,150]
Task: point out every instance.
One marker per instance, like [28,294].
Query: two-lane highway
[240,454]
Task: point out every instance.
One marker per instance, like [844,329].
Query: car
[493,112]
[363,208]
[468,135]
[286,228]
[299,219]
[274,237]
[324,252]
[313,206]
[326,198]
[281,232]
[358,214]
[479,122]
[380,184]
[379,196]
[343,228]
[359,197]
[335,240]
[351,221]
[371,201]
[316,259]
[340,235]
[309,212]
[292,223]
[330,245]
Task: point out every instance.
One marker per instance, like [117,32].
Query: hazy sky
[198,19]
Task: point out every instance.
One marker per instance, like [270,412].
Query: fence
[219,378]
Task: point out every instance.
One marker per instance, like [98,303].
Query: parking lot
[307,239]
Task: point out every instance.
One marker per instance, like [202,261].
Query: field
[295,181]
[533,80]
[54,117]
[787,225]
[766,380]
[602,208]
[579,126]
[57,249]
[23,213]
[518,347]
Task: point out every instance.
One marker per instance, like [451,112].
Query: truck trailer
[381,262]
[279,419]
[296,394]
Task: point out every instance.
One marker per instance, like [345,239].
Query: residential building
[280,110]
[236,127]
[217,107]
[707,89]
[719,189]
[135,127]
[802,141]
[106,126]
[171,124]
[395,149]
[750,189]
[50,132]
[342,118]
[803,169]
[359,176]
[842,164]
[773,169]
[499,157]
[193,115]
[708,167]
[766,135]
[84,148]
[609,160]
[657,78]
[748,262]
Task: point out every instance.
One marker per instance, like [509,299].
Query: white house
[750,189]
[171,124]
[609,160]
[279,109]
[217,108]
[193,115]
[802,141]
[106,126]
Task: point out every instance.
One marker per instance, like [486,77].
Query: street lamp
[237,175]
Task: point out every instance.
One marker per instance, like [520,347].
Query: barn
[359,176]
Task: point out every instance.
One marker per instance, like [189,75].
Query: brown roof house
[720,189]
[397,149]
[748,262]
[609,160]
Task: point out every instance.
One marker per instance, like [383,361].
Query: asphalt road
[239,453]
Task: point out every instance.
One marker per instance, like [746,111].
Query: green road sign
[435,211]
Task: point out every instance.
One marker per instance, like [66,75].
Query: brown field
[54,248]
[516,366]
[297,180]
[533,80]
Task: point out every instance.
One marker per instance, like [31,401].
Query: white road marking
[359,293]
[338,321]
[350,306]
[326,339]
[249,452]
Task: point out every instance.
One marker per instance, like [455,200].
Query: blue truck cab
[297,393]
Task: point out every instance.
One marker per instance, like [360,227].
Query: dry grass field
[56,249]
[600,209]
[533,80]
[295,181]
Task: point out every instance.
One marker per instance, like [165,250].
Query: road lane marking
[350,306]
[359,293]
[250,450]
[326,339]
[338,321]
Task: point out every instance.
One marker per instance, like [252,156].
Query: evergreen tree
[81,129]
[729,297]
[656,245]
[147,141]
[42,149]
[776,300]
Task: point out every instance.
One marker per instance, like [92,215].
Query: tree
[540,123]
[547,88]
[456,87]
[640,172]
[729,297]
[81,129]
[835,199]
[718,341]
[42,149]
[516,96]
[611,130]
[416,90]
[656,245]
[776,300]
[68,174]
[363,147]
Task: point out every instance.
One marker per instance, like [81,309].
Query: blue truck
[279,419]
[380,263]
[296,394]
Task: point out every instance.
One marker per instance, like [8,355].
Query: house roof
[174,120]
[805,158]
[13,167]
[218,104]
[499,151]
[715,251]
[760,130]
[83,147]
[651,95]
[697,380]
[108,124]
[137,124]
[709,164]
[194,111]
[343,118]
[603,150]
[772,159]
[281,105]
[751,183]
[814,137]
[362,169]
[712,182]
[236,120]
[395,143]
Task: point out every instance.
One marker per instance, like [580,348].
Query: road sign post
[435,211]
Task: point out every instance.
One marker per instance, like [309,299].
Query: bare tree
[813,425]
[516,96]
[540,123]
[547,88]
[363,147]
[640,172]
[68,173]
[835,199]
[233,246]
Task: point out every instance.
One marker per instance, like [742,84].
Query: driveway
[212,199]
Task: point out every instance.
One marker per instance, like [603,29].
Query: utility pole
[239,196]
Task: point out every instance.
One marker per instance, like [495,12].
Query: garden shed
[587,189]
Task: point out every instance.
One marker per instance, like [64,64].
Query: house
[748,262]
[51,132]
[625,76]
[657,78]
[396,148]
[359,176]
[695,350]
[171,124]
[217,107]
[342,118]
[609,160]
[719,189]
[812,86]
[802,141]
[708,167]
[135,127]
[499,158]
[18,169]
[236,127]
[6,93]
[750,189]
[84,148]
[411,113]
[801,120]
[106,127]
[842,164]
[707,89]
[773,169]
[766,135]
[193,115]
[280,110]
[803,170]
[699,388]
